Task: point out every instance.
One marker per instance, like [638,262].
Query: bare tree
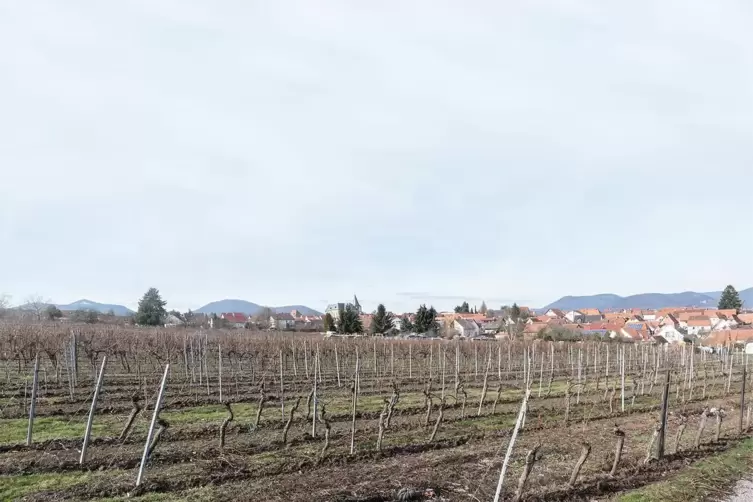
[4,304]
[36,304]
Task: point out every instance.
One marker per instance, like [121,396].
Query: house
[555,313]
[635,335]
[535,328]
[593,318]
[334,309]
[173,320]
[281,322]
[235,319]
[649,315]
[697,325]
[616,317]
[601,329]
[491,327]
[746,318]
[724,323]
[311,325]
[575,316]
[466,328]
[671,333]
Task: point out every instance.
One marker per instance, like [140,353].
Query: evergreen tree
[382,321]
[730,299]
[405,325]
[463,308]
[350,321]
[151,311]
[483,309]
[426,320]
[329,323]
[52,313]
[515,312]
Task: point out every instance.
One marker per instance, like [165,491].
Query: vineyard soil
[350,391]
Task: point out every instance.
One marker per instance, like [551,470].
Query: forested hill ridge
[646,300]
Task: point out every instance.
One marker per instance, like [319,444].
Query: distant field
[460,462]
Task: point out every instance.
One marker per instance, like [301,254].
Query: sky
[424,151]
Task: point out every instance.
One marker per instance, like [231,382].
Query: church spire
[355,303]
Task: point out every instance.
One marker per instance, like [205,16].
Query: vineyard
[281,417]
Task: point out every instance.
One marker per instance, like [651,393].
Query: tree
[151,311]
[37,305]
[426,320]
[515,313]
[350,321]
[730,299]
[406,326]
[52,312]
[463,308]
[86,316]
[329,322]
[382,323]
[4,304]
[261,318]
[483,308]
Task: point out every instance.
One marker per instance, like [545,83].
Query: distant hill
[249,308]
[647,301]
[221,306]
[300,308]
[103,308]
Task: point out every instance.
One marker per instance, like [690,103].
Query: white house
[723,324]
[555,313]
[466,328]
[235,319]
[649,315]
[576,316]
[670,333]
[281,321]
[698,326]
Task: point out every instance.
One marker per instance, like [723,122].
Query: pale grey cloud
[298,151]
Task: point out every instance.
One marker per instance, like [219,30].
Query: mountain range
[646,300]
[250,308]
[103,308]
[218,307]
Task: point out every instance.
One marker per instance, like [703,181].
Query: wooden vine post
[87,433]
[354,391]
[149,435]
[663,425]
[742,404]
[514,436]
[33,405]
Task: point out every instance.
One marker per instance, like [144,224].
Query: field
[395,419]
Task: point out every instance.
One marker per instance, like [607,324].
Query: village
[701,327]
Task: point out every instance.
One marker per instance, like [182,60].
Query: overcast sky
[409,151]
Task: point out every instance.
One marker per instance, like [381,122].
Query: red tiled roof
[534,327]
[726,336]
[746,318]
[235,317]
[591,311]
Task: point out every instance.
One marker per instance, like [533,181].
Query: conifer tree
[730,299]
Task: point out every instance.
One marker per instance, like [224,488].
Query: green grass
[15,487]
[704,479]
[14,430]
